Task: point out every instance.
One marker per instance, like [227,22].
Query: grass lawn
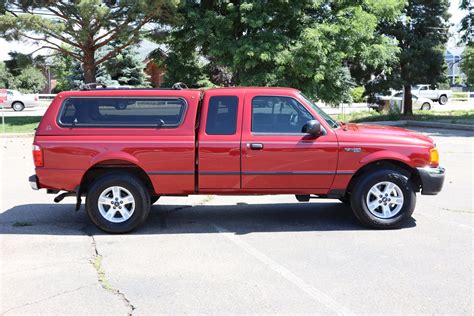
[20,124]
[452,117]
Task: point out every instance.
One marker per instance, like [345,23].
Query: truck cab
[123,149]
[425,91]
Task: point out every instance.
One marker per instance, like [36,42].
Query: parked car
[19,101]
[123,149]
[425,91]
[396,101]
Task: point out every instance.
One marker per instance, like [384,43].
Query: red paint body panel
[291,164]
[219,155]
[298,161]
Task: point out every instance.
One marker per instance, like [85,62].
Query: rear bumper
[432,180]
[34,184]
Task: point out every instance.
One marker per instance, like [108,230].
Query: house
[148,51]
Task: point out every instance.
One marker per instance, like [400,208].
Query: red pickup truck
[124,148]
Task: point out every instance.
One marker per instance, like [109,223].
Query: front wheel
[18,106]
[117,203]
[383,199]
[443,100]
[425,106]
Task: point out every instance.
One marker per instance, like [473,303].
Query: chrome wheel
[385,200]
[116,204]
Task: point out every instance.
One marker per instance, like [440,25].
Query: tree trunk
[89,67]
[407,101]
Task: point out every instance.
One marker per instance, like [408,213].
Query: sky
[25,48]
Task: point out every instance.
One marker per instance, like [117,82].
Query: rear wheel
[383,199]
[117,203]
[18,106]
[443,99]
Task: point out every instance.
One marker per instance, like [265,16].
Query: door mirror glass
[312,128]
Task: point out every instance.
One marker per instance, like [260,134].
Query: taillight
[36,97]
[37,156]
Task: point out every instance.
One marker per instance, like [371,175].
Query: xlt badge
[353,149]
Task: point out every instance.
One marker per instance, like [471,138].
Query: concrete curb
[463,127]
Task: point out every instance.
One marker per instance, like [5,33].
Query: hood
[381,134]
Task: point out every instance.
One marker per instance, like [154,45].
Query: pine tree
[127,69]
[86,26]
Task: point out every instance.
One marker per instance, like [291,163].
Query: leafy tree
[357,94]
[30,80]
[26,77]
[5,76]
[19,61]
[467,64]
[62,65]
[315,46]
[467,23]
[85,26]
[421,33]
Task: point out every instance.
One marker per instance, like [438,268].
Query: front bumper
[34,184]
[432,180]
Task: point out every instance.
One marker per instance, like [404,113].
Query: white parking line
[314,293]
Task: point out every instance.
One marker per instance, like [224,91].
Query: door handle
[256,146]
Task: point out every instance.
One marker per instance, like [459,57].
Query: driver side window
[275,114]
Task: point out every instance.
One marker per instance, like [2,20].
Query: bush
[30,80]
[357,94]
[460,95]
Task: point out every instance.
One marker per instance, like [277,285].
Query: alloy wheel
[116,204]
[385,200]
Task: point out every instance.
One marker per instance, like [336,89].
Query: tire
[443,99]
[117,188]
[153,199]
[18,106]
[379,217]
[425,106]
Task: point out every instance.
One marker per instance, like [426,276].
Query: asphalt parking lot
[244,254]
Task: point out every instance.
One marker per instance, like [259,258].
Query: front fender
[385,155]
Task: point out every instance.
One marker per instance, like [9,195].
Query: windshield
[320,112]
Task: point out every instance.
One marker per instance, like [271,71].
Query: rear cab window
[222,115]
[125,112]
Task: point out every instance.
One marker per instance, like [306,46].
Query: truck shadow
[60,219]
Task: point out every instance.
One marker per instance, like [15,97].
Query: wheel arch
[17,101]
[115,165]
[410,172]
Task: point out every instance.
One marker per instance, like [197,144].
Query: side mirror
[312,128]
